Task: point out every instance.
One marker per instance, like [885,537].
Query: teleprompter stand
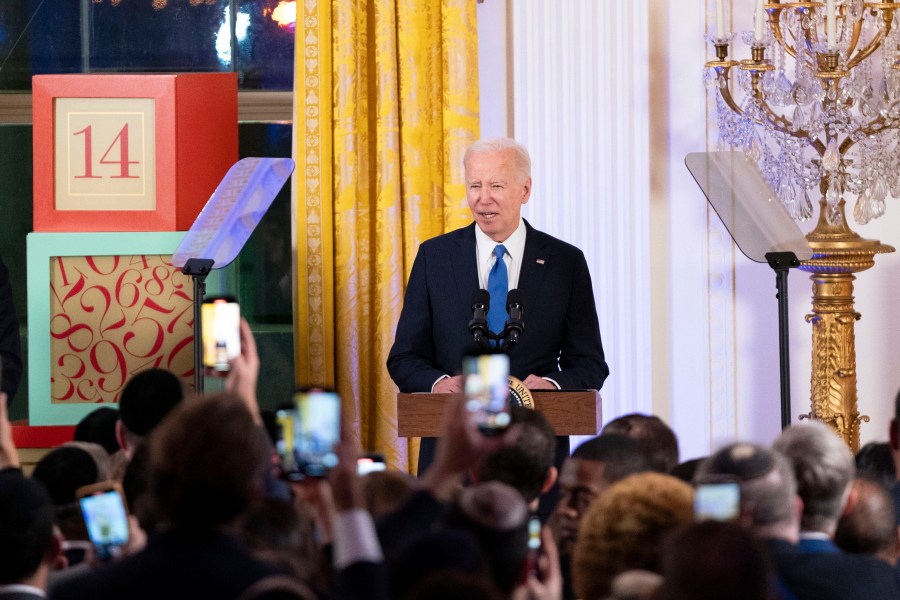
[198,269]
[224,226]
[761,227]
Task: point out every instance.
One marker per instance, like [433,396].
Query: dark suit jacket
[832,576]
[562,334]
[176,564]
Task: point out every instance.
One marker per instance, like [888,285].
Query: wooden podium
[569,412]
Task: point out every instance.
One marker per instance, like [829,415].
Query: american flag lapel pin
[540,261]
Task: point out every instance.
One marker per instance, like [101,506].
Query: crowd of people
[210,517]
[209,510]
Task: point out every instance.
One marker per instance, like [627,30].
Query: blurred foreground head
[207,460]
[623,529]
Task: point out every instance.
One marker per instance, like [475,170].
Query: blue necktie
[498,287]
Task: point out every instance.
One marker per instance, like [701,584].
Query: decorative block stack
[123,164]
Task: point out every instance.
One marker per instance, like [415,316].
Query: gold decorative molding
[313,198]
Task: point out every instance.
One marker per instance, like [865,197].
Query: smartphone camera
[308,433]
[486,388]
[221,331]
[717,500]
[106,517]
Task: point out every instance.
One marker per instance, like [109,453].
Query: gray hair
[767,484]
[488,146]
[824,468]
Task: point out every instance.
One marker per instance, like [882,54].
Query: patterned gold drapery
[386,101]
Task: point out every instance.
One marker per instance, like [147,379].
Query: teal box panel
[116,308]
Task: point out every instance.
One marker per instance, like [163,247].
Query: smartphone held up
[486,389]
[717,500]
[221,332]
[106,517]
[308,434]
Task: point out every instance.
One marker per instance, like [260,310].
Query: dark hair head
[620,455]
[279,534]
[26,526]
[386,491]
[868,525]
[657,439]
[711,560]
[206,462]
[99,427]
[452,584]
[897,407]
[65,469]
[875,461]
[147,398]
[686,470]
[525,463]
[435,551]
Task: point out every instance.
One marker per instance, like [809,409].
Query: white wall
[608,97]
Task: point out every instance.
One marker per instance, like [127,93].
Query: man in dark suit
[824,468]
[560,347]
[771,509]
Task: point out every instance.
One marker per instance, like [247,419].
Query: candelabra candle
[758,23]
[831,27]
[720,20]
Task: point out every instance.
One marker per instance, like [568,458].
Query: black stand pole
[782,262]
[198,269]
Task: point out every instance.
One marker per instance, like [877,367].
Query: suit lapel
[463,263]
[534,263]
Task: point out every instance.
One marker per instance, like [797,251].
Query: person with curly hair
[622,531]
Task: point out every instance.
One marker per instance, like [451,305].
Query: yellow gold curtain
[386,100]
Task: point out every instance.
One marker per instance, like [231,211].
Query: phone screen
[486,386]
[221,319]
[719,501]
[107,521]
[366,465]
[534,547]
[308,434]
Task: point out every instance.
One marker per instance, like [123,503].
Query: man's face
[496,192]
[580,482]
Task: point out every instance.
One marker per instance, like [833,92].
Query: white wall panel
[579,104]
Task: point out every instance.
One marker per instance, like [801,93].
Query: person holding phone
[206,465]
[560,346]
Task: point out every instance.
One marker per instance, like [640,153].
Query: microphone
[515,324]
[481,303]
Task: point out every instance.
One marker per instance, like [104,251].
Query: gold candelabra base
[839,252]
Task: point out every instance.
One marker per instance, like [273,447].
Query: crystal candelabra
[817,105]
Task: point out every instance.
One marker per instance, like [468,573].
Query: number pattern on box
[113,316]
